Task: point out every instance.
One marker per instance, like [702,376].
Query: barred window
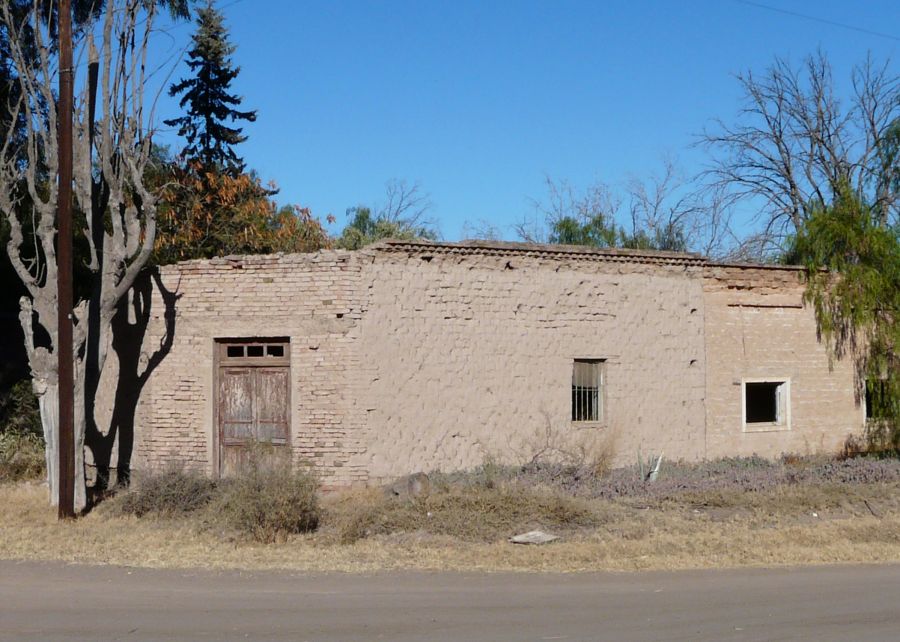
[587,390]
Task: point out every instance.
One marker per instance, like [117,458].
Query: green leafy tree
[595,230]
[366,228]
[402,217]
[852,258]
[212,109]
[599,231]
[217,214]
[211,206]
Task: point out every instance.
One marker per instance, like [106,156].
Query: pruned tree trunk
[48,402]
[111,151]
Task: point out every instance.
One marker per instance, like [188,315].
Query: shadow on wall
[129,328]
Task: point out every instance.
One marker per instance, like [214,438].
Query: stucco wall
[469,355]
[758,327]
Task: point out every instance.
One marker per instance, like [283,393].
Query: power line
[833,23]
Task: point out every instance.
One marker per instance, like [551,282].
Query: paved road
[60,602]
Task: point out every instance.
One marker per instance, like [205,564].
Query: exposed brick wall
[308,298]
[409,357]
[757,326]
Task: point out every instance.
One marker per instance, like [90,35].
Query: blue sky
[479,101]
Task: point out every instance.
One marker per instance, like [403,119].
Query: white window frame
[601,392]
[783,405]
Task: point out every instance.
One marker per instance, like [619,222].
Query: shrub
[172,492]
[269,501]
[21,456]
[19,411]
[353,515]
[473,513]
[489,474]
[21,442]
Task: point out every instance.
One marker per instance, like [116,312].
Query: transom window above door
[254,351]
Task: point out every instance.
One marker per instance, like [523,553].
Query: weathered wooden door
[253,400]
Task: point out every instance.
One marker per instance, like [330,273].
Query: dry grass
[268,502]
[174,491]
[21,456]
[726,530]
[474,514]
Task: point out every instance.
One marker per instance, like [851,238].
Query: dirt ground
[798,525]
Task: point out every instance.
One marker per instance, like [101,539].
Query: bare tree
[403,215]
[679,213]
[406,204]
[661,207]
[564,201]
[482,229]
[711,232]
[662,211]
[112,149]
[796,141]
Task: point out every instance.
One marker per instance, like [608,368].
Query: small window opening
[587,384]
[765,402]
[254,351]
[877,399]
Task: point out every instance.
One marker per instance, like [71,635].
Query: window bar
[599,392]
[582,400]
[578,413]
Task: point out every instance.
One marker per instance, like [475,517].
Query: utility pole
[64,270]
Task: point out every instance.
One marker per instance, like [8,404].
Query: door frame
[221,361]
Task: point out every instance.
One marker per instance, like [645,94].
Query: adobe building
[416,356]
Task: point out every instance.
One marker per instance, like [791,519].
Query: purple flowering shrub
[677,479]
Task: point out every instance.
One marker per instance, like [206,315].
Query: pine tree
[209,104]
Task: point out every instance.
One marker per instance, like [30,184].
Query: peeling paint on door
[253,399]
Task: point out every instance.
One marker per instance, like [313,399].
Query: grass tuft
[268,502]
[21,456]
[175,491]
